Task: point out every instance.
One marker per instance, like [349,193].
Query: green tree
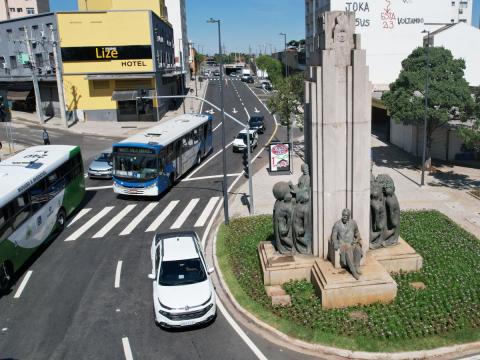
[448,95]
[471,135]
[286,103]
[199,58]
[272,66]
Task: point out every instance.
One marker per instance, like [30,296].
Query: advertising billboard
[279,154]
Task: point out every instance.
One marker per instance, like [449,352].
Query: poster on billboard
[279,157]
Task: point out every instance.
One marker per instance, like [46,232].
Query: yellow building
[157,6]
[112,57]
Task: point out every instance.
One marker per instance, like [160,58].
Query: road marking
[211,177]
[256,110]
[216,127]
[160,218]
[81,214]
[239,331]
[118,273]
[183,216]
[248,115]
[85,175]
[208,209]
[89,224]
[23,284]
[206,162]
[234,111]
[204,94]
[139,218]
[114,221]
[126,349]
[99,188]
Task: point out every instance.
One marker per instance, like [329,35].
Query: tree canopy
[272,66]
[449,95]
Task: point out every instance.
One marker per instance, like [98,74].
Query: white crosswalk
[88,220]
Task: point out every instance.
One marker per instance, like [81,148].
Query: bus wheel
[199,158]
[61,220]
[5,277]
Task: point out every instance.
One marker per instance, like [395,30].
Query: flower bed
[446,311]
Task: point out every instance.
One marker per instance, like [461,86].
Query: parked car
[267,85]
[101,166]
[247,78]
[183,293]
[257,123]
[233,74]
[240,142]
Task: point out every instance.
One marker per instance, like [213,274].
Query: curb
[273,335]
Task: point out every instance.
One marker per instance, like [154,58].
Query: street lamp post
[224,154]
[285,51]
[180,48]
[425,121]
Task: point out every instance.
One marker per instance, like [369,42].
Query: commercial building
[389,30]
[157,6]
[177,16]
[13,9]
[112,57]
[26,47]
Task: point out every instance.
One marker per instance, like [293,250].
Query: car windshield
[255,121]
[141,167]
[243,137]
[181,272]
[104,157]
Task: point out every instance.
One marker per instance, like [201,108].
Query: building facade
[110,58]
[177,16]
[27,48]
[389,30]
[13,9]
[157,6]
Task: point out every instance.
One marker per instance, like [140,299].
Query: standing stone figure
[346,238]
[378,223]
[282,218]
[302,228]
[393,213]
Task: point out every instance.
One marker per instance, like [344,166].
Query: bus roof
[21,171]
[168,131]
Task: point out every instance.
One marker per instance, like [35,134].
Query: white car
[240,142]
[183,293]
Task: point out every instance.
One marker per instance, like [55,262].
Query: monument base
[278,269]
[337,288]
[400,257]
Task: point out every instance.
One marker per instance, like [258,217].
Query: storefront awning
[18,95]
[126,95]
[118,76]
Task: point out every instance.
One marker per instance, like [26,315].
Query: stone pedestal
[278,269]
[337,288]
[401,257]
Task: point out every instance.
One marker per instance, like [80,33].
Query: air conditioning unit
[4,66]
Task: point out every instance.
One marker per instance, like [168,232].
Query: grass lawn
[446,312]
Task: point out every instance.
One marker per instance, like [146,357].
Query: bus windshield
[139,167]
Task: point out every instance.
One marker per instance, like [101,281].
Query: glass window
[30,11]
[181,272]
[19,10]
[13,62]
[140,167]
[39,60]
[12,9]
[21,210]
[52,179]
[38,195]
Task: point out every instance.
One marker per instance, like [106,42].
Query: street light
[425,121]
[224,153]
[285,51]
[180,47]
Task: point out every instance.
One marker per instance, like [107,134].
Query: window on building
[51,60]
[463,4]
[453,3]
[13,62]
[101,84]
[11,9]
[2,62]
[39,60]
[19,10]
[30,10]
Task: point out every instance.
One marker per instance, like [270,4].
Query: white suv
[240,142]
[183,294]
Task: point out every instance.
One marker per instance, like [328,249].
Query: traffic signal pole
[249,169]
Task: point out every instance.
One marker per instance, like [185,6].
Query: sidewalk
[109,128]
[446,190]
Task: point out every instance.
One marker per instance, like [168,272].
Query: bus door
[178,156]
[162,171]
[207,130]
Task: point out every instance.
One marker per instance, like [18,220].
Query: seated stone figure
[346,238]
[282,218]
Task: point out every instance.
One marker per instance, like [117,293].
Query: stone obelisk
[337,128]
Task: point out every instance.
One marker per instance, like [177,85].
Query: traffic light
[245,161]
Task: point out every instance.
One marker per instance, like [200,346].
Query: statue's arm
[334,237]
[358,238]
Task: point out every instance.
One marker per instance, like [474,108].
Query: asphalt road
[70,308]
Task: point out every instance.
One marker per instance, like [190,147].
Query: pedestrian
[46,138]
[3,111]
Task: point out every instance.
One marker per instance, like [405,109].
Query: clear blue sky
[248,22]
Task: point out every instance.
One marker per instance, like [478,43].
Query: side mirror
[151,276]
[210,270]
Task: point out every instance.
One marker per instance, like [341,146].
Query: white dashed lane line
[126,349]
[23,284]
[118,272]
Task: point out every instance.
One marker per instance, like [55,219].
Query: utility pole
[195,67]
[58,74]
[38,100]
[7,9]
[181,70]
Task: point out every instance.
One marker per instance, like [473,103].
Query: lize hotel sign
[279,154]
[128,56]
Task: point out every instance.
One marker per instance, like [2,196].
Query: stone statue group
[292,221]
[291,216]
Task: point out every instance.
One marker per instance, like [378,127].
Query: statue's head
[304,169]
[281,189]
[288,197]
[389,187]
[376,190]
[346,215]
[303,197]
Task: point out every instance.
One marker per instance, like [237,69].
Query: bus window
[186,142]
[196,136]
[38,195]
[21,210]
[205,130]
[5,228]
[161,161]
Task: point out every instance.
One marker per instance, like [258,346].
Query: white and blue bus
[148,163]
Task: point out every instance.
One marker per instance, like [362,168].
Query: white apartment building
[177,16]
[12,9]
[390,29]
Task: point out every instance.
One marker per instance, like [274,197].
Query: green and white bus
[39,188]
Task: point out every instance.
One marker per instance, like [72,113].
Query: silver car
[101,166]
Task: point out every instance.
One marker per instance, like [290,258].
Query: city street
[88,295]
